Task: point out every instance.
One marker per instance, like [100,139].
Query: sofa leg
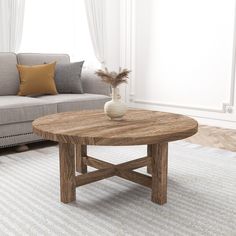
[22,148]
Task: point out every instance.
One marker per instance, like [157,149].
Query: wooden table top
[93,127]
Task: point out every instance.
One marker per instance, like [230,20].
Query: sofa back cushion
[9,78]
[41,58]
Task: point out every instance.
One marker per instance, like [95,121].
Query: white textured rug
[201,196]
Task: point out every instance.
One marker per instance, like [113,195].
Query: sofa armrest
[93,84]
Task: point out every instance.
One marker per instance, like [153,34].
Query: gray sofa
[17,112]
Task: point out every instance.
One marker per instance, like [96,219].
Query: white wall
[182,55]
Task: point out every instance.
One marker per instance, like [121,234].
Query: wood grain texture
[123,170]
[67,172]
[80,152]
[159,172]
[135,177]
[94,176]
[94,128]
[96,163]
[134,164]
[129,165]
[149,153]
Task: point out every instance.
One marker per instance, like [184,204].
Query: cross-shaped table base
[74,158]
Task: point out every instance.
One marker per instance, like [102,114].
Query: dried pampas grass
[113,78]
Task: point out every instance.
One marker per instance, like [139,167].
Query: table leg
[159,162]
[81,151]
[67,172]
[149,154]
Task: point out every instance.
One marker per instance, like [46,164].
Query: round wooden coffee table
[75,130]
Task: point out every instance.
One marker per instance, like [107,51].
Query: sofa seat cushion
[15,129]
[14,109]
[76,102]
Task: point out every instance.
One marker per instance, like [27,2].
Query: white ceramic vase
[115,109]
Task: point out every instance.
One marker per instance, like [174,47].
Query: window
[58,26]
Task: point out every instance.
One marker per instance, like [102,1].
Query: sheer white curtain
[95,10]
[58,26]
[11,24]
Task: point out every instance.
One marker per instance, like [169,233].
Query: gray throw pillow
[68,77]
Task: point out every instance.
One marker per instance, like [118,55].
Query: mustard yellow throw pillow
[37,80]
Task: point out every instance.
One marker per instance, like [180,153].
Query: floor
[215,137]
[201,195]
